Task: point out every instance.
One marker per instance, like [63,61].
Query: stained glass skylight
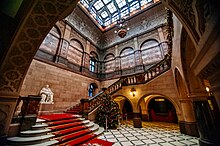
[106,12]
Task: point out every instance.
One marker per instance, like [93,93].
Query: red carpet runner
[53,117]
[98,141]
[69,130]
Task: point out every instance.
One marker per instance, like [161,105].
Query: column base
[137,122]
[207,142]
[189,128]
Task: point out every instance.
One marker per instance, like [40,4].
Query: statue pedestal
[46,108]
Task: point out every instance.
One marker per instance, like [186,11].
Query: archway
[127,110]
[162,110]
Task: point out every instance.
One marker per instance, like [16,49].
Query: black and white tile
[152,134]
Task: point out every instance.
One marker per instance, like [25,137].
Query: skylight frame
[106,10]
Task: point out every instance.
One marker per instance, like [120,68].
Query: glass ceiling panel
[98,5]
[106,12]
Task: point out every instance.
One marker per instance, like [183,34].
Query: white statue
[46,94]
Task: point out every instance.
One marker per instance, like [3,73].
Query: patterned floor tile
[112,140]
[119,135]
[127,143]
[116,144]
[152,134]
[137,142]
[148,141]
[109,136]
[158,140]
[132,138]
[128,134]
[176,143]
[122,139]
[187,142]
[167,139]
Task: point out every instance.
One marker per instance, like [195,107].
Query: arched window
[51,41]
[93,62]
[109,63]
[75,52]
[151,52]
[92,89]
[127,58]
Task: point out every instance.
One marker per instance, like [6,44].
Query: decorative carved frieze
[35,27]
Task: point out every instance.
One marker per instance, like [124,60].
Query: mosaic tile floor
[152,134]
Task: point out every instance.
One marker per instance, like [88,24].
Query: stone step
[34,132]
[94,127]
[29,140]
[40,120]
[39,126]
[47,143]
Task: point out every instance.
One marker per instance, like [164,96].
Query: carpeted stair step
[64,126]
[65,121]
[60,116]
[73,129]
[28,140]
[79,140]
[96,141]
[84,138]
[74,135]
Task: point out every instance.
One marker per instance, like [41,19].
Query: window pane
[111,7]
[121,3]
[134,6]
[106,1]
[98,5]
[104,14]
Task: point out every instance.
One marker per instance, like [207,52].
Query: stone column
[137,120]
[137,53]
[145,115]
[189,125]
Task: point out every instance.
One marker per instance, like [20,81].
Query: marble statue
[46,94]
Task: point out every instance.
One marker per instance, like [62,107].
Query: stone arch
[181,87]
[94,55]
[120,99]
[77,44]
[92,89]
[109,62]
[151,52]
[147,97]
[109,56]
[127,57]
[51,42]
[149,43]
[75,52]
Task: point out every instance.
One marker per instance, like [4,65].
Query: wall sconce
[133,91]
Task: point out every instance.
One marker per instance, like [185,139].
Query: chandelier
[121,26]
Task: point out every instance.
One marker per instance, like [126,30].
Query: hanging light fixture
[122,30]
[133,91]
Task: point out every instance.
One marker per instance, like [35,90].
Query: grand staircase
[60,129]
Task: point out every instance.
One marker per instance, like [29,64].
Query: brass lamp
[133,91]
